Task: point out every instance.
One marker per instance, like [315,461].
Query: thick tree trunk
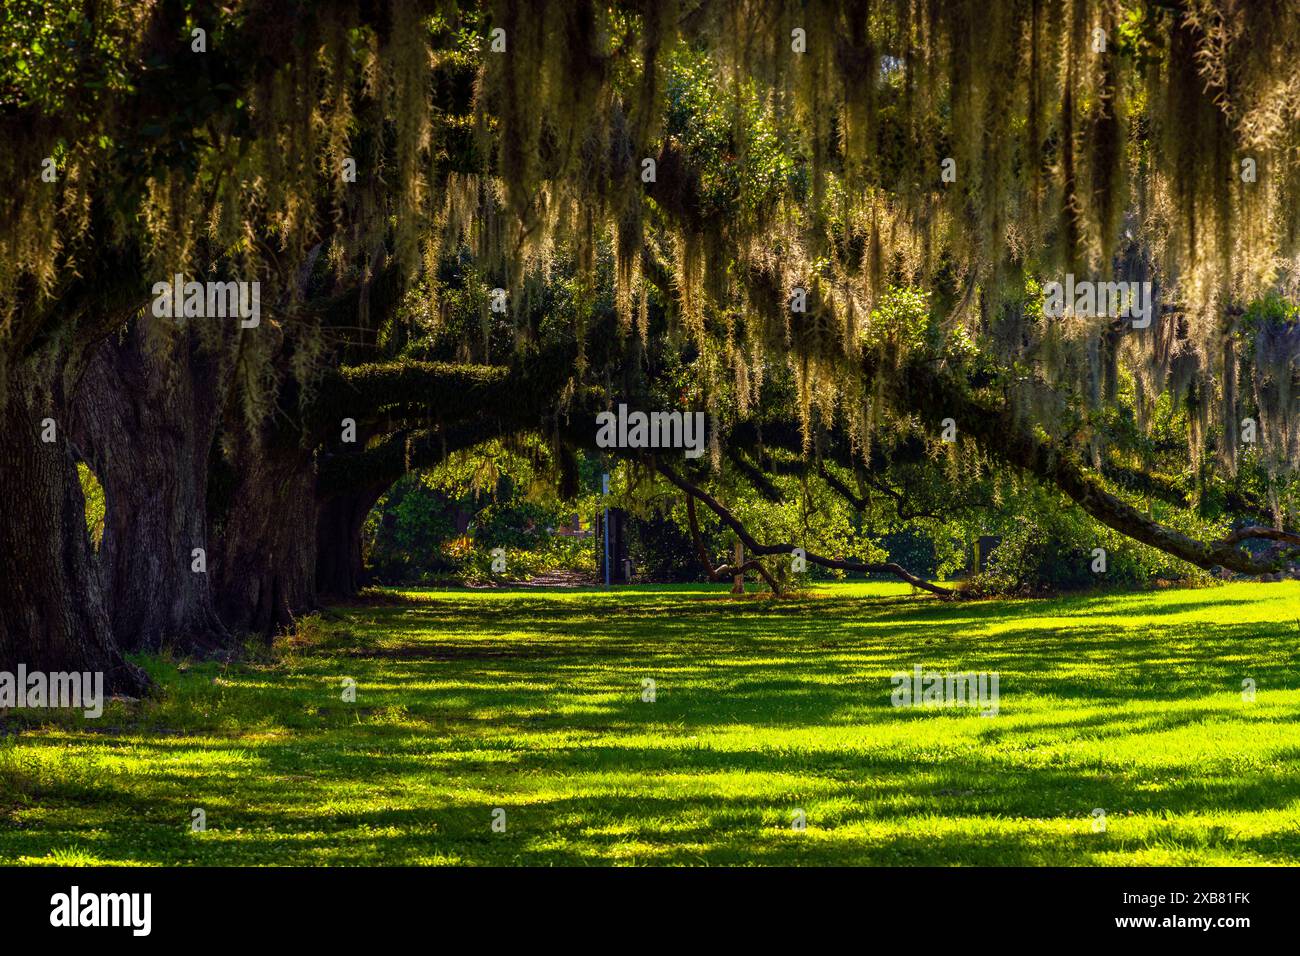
[146,416]
[52,613]
[340,568]
[263,559]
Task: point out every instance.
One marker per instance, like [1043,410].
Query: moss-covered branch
[396,453]
[937,395]
[439,392]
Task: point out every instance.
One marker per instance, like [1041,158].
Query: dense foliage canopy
[831,226]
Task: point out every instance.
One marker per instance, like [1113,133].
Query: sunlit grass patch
[532,703]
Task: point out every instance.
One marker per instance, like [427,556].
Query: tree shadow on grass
[523,699]
[870,809]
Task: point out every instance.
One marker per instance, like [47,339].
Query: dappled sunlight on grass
[531,702]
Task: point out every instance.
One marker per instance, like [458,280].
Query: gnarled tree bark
[263,560]
[145,417]
[52,612]
[340,519]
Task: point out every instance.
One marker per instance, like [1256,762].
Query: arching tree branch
[765,549]
[724,571]
[938,395]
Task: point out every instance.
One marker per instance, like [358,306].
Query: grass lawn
[531,702]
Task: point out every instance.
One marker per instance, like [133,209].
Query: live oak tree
[148,141]
[798,167]
[866,196]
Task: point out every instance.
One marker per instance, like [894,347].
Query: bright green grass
[531,701]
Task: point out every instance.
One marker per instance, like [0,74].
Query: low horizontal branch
[758,548]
